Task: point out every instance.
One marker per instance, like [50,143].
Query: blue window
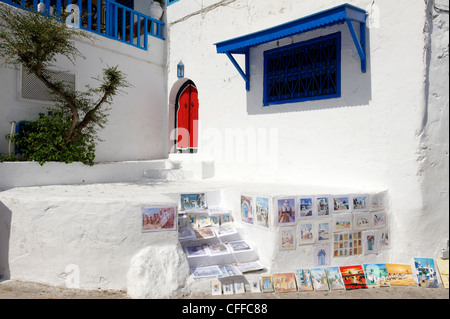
[303,71]
[169,2]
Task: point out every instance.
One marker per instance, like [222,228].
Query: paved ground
[11,289]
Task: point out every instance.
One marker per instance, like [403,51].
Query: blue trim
[111,22]
[341,14]
[169,2]
[304,71]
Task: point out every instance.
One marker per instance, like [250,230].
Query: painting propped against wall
[158,218]
[247,209]
[193,201]
[353,277]
[262,211]
[400,275]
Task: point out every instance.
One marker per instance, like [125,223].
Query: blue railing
[104,17]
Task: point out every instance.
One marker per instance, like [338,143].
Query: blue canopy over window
[341,14]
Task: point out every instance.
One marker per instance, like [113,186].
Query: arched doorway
[186,118]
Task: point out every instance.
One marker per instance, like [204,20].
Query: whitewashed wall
[373,136]
[136,129]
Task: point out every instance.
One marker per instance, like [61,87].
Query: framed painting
[218,249]
[362,220]
[239,287]
[378,201]
[376,275]
[197,251]
[319,279]
[303,278]
[306,233]
[400,275]
[267,284]
[342,222]
[287,238]
[247,209]
[370,242]
[341,204]
[284,282]
[262,211]
[239,245]
[192,201]
[216,288]
[384,236]
[306,207]
[379,219]
[286,211]
[323,229]
[322,206]
[360,202]
[158,218]
[426,273]
[321,255]
[208,271]
[334,277]
[353,277]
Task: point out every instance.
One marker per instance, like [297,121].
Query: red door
[186,120]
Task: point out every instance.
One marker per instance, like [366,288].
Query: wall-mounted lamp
[180,70]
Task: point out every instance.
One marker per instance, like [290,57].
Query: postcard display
[213,246]
[336,226]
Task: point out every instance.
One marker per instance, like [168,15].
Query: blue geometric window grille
[304,71]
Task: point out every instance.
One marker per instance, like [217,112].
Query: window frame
[337,94]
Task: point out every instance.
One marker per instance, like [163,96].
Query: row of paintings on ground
[345,278]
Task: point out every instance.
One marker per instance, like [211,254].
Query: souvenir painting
[204,233]
[286,212]
[303,278]
[323,229]
[321,255]
[400,275]
[225,230]
[284,282]
[202,220]
[255,286]
[378,201]
[376,275]
[248,267]
[341,204]
[334,277]
[246,209]
[214,220]
[186,233]
[347,244]
[225,218]
[262,211]
[384,238]
[228,288]
[228,271]
[322,206]
[287,238]
[360,203]
[362,221]
[342,222]
[216,288]
[197,251]
[370,242]
[442,265]
[353,277]
[319,279]
[208,271]
[379,219]
[158,218]
[306,235]
[218,249]
[426,273]
[306,206]
[192,201]
[239,287]
[239,245]
[266,284]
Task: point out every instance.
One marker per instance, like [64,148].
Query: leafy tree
[35,41]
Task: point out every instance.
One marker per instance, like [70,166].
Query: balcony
[104,17]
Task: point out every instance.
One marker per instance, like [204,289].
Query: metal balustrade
[104,17]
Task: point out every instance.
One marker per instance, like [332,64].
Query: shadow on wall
[5,229]
[356,87]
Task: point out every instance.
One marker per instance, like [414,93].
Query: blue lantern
[180,70]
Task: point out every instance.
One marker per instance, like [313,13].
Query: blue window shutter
[304,71]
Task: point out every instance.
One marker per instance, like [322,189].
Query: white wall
[136,129]
[368,137]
